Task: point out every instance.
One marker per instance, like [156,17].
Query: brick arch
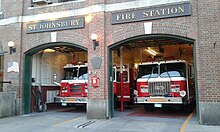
[158,27]
[66,36]
[124,32]
[48,45]
[143,36]
[172,28]
[152,36]
[27,70]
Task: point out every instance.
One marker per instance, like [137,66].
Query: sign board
[13,67]
[13,70]
[96,62]
[151,13]
[64,24]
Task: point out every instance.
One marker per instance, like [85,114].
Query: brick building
[68,24]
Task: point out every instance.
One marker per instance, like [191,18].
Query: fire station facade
[36,25]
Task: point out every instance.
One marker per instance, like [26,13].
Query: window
[124,76]
[113,77]
[66,0]
[148,71]
[83,73]
[190,71]
[70,73]
[173,70]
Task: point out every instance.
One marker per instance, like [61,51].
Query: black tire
[116,102]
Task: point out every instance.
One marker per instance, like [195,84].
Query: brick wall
[202,25]
[209,33]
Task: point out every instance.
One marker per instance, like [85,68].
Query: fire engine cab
[165,82]
[74,85]
[127,83]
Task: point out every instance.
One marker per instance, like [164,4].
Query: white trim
[124,96]
[74,81]
[53,36]
[62,14]
[148,27]
[163,62]
[165,79]
[55,4]
[42,85]
[87,10]
[138,4]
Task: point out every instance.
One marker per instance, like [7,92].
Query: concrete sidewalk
[128,121]
[194,126]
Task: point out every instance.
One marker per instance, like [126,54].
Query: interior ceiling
[136,50]
[66,49]
[144,43]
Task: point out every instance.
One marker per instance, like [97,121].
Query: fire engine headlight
[175,89]
[86,90]
[64,88]
[64,91]
[144,90]
[182,93]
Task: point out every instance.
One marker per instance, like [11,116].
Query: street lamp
[11,45]
[94,40]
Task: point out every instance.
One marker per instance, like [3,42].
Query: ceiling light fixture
[49,50]
[152,52]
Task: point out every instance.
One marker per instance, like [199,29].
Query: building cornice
[86,11]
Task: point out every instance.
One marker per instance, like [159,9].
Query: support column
[97,106]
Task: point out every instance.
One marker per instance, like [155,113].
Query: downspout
[195,67]
[21,51]
[187,82]
[105,56]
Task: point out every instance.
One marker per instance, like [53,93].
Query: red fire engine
[165,82]
[127,83]
[74,85]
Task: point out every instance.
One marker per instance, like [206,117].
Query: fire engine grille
[75,88]
[159,88]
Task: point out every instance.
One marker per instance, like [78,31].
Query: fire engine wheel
[188,108]
[116,102]
[43,107]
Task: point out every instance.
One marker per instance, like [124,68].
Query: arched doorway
[165,45]
[27,72]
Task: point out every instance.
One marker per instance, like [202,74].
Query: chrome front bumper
[68,100]
[159,100]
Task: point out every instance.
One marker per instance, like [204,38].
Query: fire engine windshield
[83,73]
[70,73]
[113,76]
[148,71]
[124,76]
[75,73]
[173,70]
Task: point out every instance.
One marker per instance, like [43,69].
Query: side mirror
[54,77]
[32,80]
